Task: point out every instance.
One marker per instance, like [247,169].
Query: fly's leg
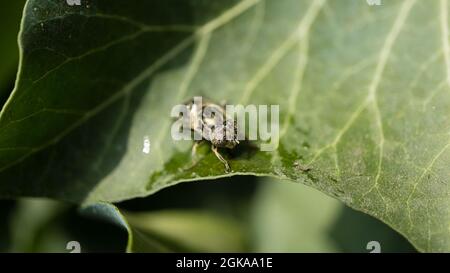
[194,156]
[194,148]
[220,157]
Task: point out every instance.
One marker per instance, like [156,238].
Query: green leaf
[33,229]
[9,54]
[364,101]
[288,217]
[47,226]
[172,230]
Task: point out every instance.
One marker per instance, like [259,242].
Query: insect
[209,120]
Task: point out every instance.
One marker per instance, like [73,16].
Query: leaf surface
[363,95]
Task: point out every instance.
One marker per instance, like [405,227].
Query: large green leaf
[363,95]
[9,54]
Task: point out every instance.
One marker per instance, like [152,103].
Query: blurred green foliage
[265,216]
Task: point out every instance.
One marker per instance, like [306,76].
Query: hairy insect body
[209,122]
